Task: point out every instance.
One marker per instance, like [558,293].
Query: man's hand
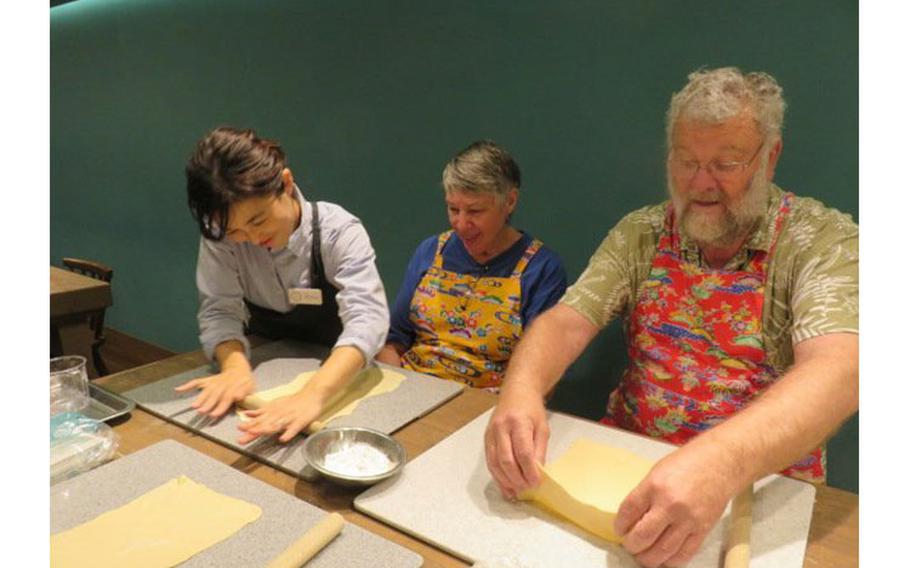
[664,520]
[516,441]
[289,413]
[516,437]
[220,391]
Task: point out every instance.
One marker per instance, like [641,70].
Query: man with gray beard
[740,308]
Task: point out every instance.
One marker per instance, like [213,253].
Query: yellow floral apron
[466,326]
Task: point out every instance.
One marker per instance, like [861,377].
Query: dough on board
[587,484]
[159,529]
[372,381]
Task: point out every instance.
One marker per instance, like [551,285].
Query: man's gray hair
[482,167]
[715,95]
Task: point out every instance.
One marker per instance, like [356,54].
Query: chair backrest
[96,270]
[89,268]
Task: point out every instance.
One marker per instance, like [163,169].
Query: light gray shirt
[227,272]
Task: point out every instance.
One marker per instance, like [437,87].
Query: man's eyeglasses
[719,170]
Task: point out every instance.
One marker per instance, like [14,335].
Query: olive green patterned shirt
[812,286]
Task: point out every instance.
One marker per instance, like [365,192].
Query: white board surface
[447,497]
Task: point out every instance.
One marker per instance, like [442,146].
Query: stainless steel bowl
[331,440]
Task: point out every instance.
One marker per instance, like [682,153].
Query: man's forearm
[794,416]
[551,344]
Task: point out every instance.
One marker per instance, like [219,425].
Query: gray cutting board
[277,363]
[446,497]
[284,517]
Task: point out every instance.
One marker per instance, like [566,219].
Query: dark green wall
[370,98]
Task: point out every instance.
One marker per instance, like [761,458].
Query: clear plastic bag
[78,444]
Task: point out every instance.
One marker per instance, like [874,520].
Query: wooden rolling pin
[312,541]
[314,427]
[738,539]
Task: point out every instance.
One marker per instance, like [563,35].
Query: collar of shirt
[301,236]
[759,240]
[457,258]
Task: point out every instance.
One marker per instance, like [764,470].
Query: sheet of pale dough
[587,484]
[369,382]
[160,529]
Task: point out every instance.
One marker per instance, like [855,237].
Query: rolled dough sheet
[587,484]
[160,529]
[372,381]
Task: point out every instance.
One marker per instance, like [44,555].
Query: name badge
[305,296]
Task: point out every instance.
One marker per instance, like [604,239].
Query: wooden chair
[98,271]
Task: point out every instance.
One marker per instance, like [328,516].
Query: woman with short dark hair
[273,264]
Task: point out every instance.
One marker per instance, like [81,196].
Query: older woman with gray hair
[469,292]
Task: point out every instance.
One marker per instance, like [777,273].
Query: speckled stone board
[446,497]
[277,363]
[284,517]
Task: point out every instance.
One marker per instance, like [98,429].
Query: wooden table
[833,536]
[74,297]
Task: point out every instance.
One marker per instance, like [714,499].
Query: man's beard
[737,219]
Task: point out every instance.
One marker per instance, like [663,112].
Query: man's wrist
[728,457]
[522,389]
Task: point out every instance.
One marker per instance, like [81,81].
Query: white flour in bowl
[358,459]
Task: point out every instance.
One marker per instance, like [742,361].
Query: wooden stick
[312,541]
[740,533]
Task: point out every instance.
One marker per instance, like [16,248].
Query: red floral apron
[695,348]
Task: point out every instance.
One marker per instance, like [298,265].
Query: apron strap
[319,278]
[526,258]
[785,204]
[443,239]
[315,324]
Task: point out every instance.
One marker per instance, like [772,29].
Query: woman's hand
[292,414]
[390,354]
[220,391]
